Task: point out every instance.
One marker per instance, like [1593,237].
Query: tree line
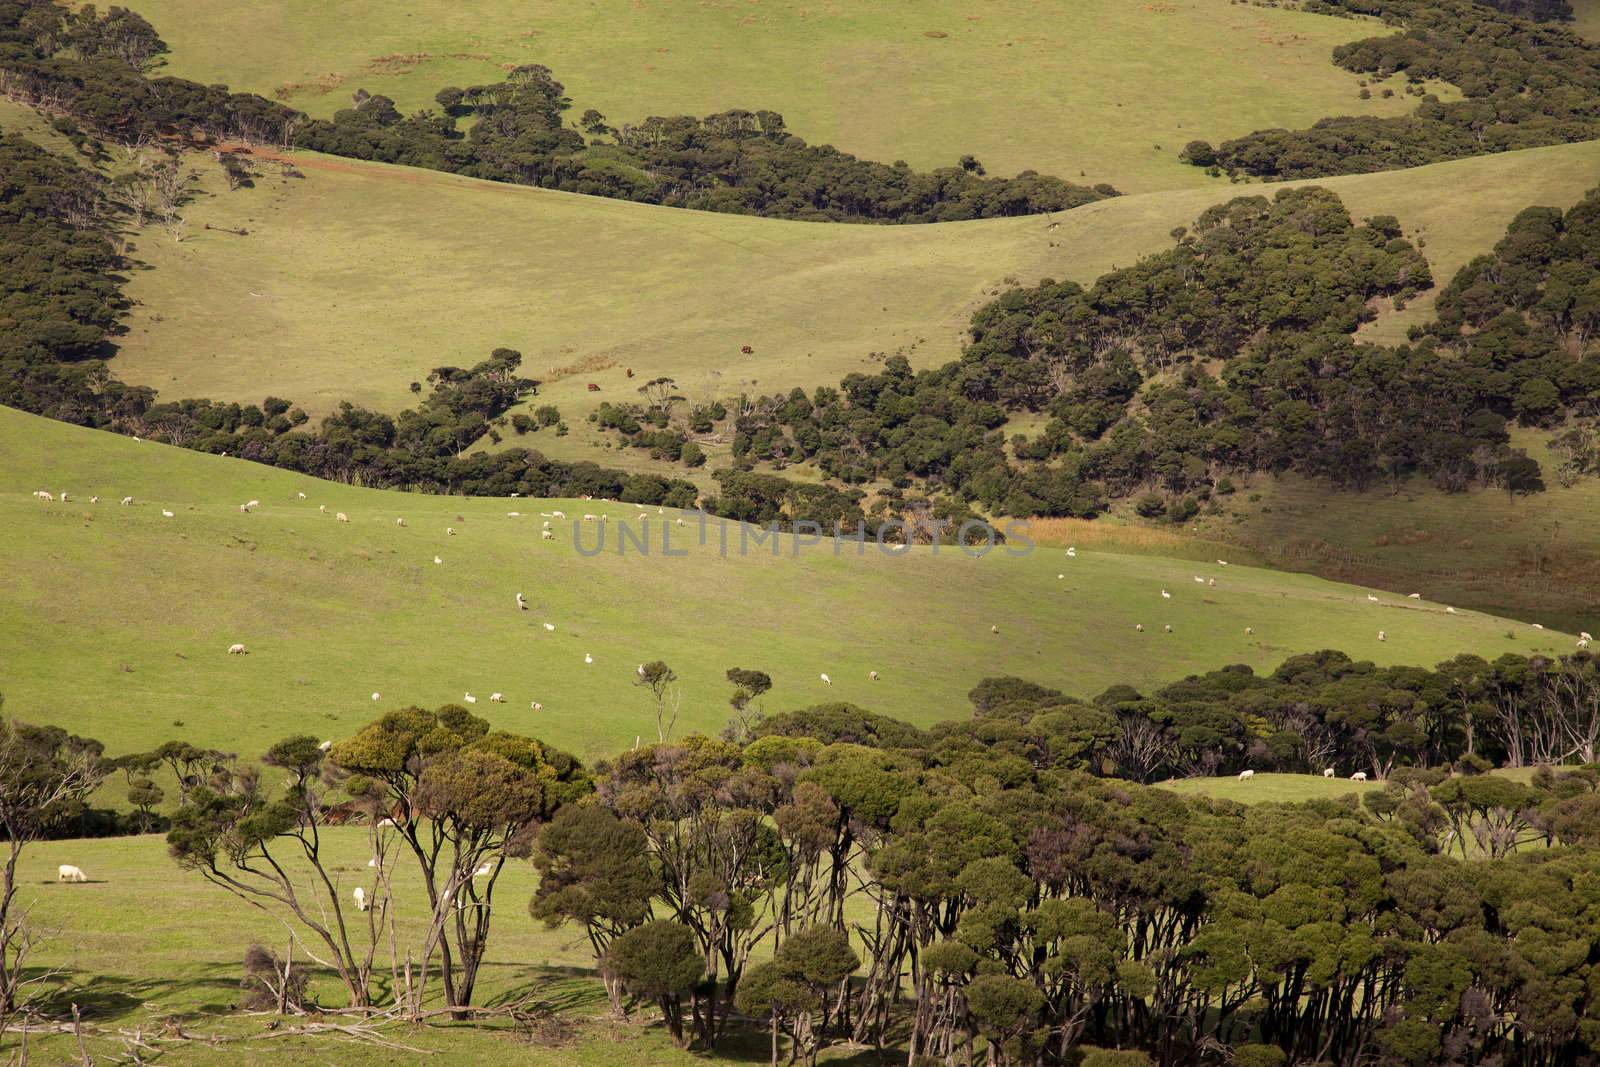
[998,888]
[1231,352]
[99,72]
[1524,84]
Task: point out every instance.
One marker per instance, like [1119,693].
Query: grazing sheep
[360,896]
[1537,626]
[522,603]
[165,514]
[1222,563]
[243,510]
[825,679]
[994,629]
[385,822]
[1138,627]
[1327,772]
[449,531]
[469,698]
[373,862]
[342,517]
[1586,635]
[591,518]
[325,746]
[537,706]
[376,696]
[548,535]
[94,500]
[302,496]
[484,870]
[436,559]
[1199,579]
[236,649]
[1371,598]
[513,514]
[1249,631]
[873,675]
[1167,628]
[1059,577]
[253,504]
[1449,611]
[558,514]
[682,523]
[322,509]
[497,698]
[1413,596]
[64,498]
[1583,642]
[587,658]
[1382,636]
[1165,595]
[1211,581]
[399,522]
[1359,776]
[1245,776]
[550,626]
[68,873]
[125,501]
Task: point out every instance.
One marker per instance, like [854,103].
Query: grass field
[1100,88]
[1587,18]
[1270,788]
[356,279]
[1534,558]
[117,620]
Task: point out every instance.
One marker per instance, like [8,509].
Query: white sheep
[243,510]
[94,500]
[325,746]
[1059,577]
[1583,642]
[522,602]
[64,497]
[1245,776]
[1072,553]
[497,698]
[253,504]
[873,675]
[436,559]
[1371,598]
[360,896]
[1413,596]
[548,535]
[449,531]
[1359,776]
[550,626]
[513,514]
[1165,595]
[1222,563]
[484,871]
[68,873]
[1586,635]
[302,496]
[399,522]
[1138,627]
[341,517]
[1249,631]
[591,518]
[322,509]
[125,501]
[375,696]
[558,514]
[1537,626]
[825,679]
[994,629]
[1199,579]
[165,514]
[1449,611]
[469,698]
[537,706]
[587,658]
[373,862]
[1327,772]
[236,649]
[1382,636]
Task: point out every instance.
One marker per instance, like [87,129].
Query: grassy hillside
[118,618]
[1587,21]
[1093,87]
[357,278]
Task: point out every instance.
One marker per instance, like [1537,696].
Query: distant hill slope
[117,620]
[358,278]
[1102,87]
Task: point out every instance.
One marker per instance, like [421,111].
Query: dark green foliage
[1524,85]
[832,723]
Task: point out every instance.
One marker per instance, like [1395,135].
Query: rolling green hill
[118,619]
[356,279]
[1108,89]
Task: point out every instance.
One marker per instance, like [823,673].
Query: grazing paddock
[119,621]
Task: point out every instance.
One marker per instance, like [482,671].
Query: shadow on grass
[107,997]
